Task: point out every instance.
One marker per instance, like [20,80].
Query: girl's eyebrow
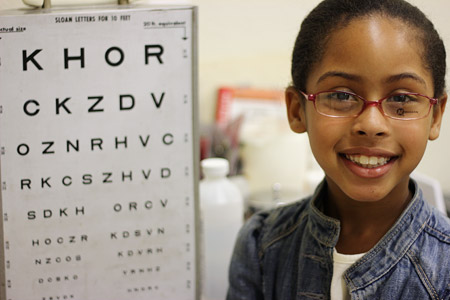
[344,75]
[401,76]
[390,79]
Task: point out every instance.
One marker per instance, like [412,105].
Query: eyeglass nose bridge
[372,103]
[368,103]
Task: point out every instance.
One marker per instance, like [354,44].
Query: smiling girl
[368,89]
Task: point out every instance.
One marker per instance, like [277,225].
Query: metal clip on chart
[48,3]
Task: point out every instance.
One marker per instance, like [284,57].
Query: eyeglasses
[401,106]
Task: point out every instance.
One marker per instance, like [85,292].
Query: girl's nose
[371,122]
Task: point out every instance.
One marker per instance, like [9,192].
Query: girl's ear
[295,110]
[437,118]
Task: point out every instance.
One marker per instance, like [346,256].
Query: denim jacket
[286,253]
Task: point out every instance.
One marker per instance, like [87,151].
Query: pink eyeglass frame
[312,97]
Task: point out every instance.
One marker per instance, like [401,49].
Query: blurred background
[247,44]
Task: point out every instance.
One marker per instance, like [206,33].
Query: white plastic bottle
[222,209]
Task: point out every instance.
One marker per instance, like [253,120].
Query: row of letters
[72,239]
[114,56]
[89,179]
[80,211]
[127,102]
[92,144]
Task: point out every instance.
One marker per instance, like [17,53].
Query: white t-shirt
[341,262]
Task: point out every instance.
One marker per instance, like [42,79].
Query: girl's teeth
[368,161]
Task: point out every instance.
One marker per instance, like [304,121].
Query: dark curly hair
[331,15]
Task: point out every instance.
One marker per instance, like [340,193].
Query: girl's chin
[374,191]
[360,192]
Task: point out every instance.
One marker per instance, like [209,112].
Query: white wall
[248,42]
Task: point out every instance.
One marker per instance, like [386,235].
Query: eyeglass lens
[398,106]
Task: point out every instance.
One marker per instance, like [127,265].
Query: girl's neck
[363,224]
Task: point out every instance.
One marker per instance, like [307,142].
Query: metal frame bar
[48,3]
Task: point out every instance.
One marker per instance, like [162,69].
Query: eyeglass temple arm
[310,97]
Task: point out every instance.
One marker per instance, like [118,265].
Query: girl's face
[372,57]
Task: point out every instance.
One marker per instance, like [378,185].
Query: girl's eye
[339,96]
[401,98]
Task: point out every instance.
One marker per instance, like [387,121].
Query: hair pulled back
[331,15]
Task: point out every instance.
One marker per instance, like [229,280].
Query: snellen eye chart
[99,153]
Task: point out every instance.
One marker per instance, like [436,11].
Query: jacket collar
[323,228]
[393,246]
[387,252]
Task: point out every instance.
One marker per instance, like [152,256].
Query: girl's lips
[369,166]
[370,162]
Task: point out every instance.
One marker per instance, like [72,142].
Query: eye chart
[99,153]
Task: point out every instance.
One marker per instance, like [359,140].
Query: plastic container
[222,210]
